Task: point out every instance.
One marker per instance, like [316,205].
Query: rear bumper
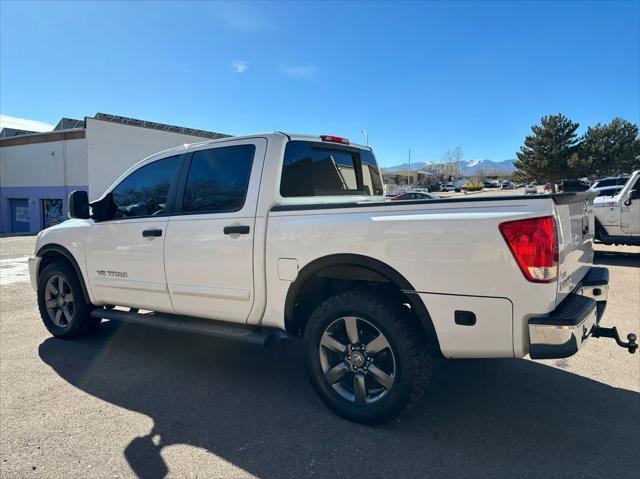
[562,332]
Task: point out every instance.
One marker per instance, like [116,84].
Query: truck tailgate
[575,239]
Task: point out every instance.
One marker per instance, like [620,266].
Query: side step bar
[209,327]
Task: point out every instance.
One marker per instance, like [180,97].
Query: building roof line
[44,137]
[123,120]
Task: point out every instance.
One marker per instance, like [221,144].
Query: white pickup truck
[618,217]
[258,237]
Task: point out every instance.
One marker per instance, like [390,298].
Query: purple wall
[35,195]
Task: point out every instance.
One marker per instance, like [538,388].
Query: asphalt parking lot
[138,402]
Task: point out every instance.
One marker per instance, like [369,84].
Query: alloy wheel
[59,301]
[357,360]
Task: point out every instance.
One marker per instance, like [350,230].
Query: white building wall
[33,175]
[43,164]
[113,148]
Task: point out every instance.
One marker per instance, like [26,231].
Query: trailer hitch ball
[631,345]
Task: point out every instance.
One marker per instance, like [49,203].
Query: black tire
[79,322]
[600,232]
[406,348]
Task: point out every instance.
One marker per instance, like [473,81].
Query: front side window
[144,192]
[218,179]
[319,169]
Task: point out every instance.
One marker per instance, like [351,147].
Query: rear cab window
[326,169]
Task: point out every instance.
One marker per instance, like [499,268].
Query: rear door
[209,243]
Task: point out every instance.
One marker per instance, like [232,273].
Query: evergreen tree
[612,148]
[551,153]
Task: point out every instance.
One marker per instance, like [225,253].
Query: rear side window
[217,180]
[144,192]
[370,174]
[318,169]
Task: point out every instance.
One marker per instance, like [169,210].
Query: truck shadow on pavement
[254,408]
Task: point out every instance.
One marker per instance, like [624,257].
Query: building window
[52,212]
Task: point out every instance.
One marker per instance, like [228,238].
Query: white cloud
[7,121]
[240,66]
[302,71]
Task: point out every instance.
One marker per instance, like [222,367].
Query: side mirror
[628,197]
[103,209]
[79,204]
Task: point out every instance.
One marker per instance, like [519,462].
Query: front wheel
[366,359]
[63,308]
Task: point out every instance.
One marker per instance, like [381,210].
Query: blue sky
[426,76]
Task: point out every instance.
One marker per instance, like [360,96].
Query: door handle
[153,232]
[238,229]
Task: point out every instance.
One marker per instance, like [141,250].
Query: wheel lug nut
[348,357]
[365,368]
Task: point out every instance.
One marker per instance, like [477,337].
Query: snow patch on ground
[14,270]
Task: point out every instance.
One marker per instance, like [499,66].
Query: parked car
[531,189]
[617,218]
[507,185]
[415,195]
[450,187]
[277,235]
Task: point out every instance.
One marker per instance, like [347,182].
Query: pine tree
[551,153]
[612,148]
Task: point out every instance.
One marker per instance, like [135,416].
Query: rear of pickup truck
[582,288]
[499,276]
[378,289]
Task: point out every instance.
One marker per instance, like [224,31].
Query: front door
[125,261]
[209,244]
[630,214]
[20,215]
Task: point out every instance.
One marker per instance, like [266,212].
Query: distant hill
[467,167]
[418,165]
[473,166]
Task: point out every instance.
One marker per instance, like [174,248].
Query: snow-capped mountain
[473,166]
[467,167]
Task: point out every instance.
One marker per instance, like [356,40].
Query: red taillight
[534,244]
[334,139]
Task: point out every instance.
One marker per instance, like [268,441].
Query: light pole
[409,170]
[366,137]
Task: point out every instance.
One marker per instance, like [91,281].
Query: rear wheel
[63,308]
[365,358]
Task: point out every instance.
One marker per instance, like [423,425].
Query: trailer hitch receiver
[600,332]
